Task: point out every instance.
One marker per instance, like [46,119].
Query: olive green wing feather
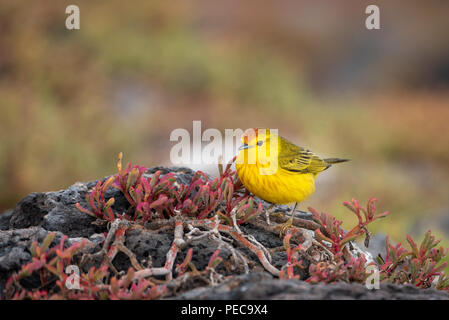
[298,159]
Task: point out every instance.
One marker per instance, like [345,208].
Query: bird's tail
[335,160]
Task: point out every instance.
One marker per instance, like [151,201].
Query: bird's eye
[259,143]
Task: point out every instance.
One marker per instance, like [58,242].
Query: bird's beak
[245,146]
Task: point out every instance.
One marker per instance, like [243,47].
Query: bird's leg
[267,213]
[289,222]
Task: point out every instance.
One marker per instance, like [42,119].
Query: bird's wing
[298,159]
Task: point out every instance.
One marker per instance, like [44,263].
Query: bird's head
[254,137]
[257,147]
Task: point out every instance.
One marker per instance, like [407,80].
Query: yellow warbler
[276,170]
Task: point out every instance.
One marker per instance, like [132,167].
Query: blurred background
[70,101]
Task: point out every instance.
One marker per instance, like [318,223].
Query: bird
[278,171]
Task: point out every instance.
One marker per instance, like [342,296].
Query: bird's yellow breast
[281,187]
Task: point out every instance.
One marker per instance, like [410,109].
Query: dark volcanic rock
[54,211]
[31,210]
[5,217]
[256,286]
[147,243]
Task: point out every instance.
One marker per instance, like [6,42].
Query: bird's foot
[287,225]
